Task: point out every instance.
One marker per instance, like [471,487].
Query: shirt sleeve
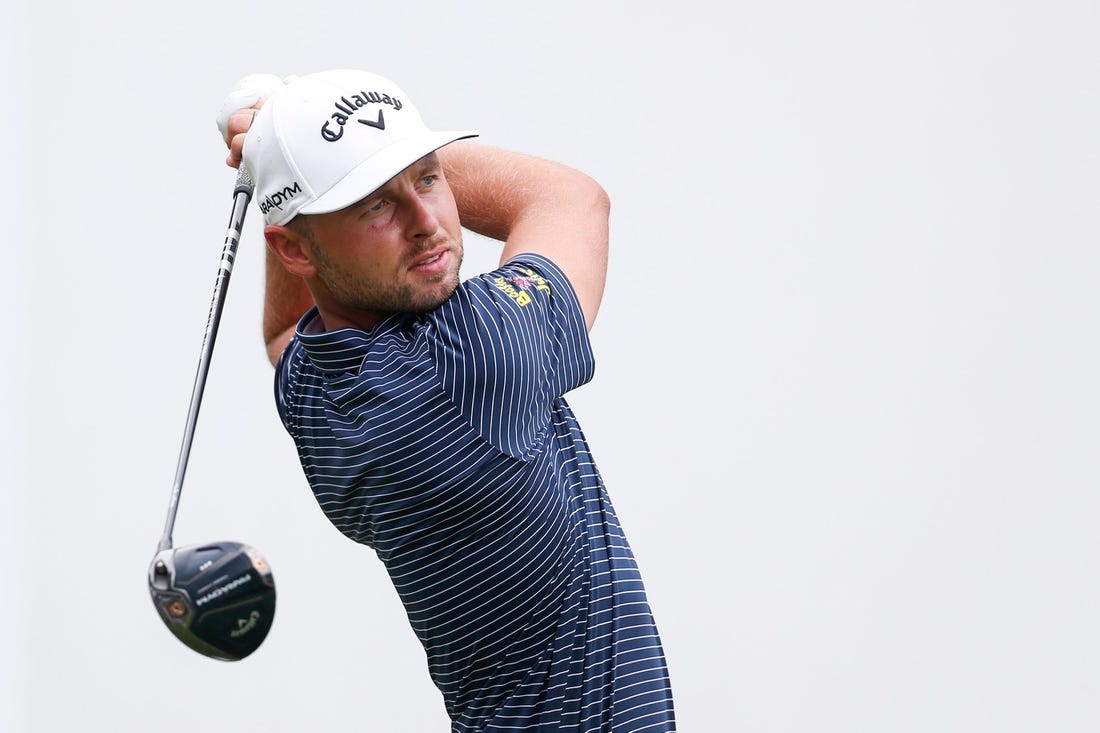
[507,346]
[283,384]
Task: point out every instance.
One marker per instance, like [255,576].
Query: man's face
[398,250]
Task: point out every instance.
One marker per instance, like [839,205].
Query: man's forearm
[286,299]
[489,186]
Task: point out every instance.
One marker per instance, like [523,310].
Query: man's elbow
[599,202]
[276,344]
[273,354]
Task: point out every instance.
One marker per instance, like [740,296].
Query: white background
[846,402]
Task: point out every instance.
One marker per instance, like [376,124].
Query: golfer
[428,413]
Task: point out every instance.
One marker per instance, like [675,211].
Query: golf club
[217,598]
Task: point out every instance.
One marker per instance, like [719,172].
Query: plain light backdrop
[846,398]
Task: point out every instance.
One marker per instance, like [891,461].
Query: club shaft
[242,194]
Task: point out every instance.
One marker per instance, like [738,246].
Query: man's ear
[291,249]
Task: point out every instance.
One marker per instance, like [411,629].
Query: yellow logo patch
[516,286]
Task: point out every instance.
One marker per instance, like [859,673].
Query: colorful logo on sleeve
[516,286]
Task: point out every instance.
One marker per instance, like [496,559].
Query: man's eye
[372,209]
[428,180]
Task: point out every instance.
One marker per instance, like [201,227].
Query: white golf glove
[249,90]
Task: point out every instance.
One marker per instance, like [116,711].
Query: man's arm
[534,205]
[286,299]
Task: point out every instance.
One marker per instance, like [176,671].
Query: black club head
[217,598]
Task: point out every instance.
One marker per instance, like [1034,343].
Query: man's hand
[236,130]
[239,108]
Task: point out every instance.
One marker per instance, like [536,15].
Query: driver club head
[217,598]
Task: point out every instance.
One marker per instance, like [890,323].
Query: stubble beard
[360,293]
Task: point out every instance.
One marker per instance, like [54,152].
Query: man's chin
[442,294]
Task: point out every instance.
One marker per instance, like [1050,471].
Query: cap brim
[373,173]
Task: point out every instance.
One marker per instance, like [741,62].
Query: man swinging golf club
[428,413]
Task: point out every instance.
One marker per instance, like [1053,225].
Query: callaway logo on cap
[327,140]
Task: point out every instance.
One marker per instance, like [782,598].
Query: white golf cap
[327,140]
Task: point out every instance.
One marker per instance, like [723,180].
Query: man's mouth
[432,263]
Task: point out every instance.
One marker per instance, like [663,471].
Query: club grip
[244,181]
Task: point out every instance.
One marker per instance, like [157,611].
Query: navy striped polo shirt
[443,441]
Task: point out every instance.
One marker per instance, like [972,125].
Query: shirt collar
[342,349]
